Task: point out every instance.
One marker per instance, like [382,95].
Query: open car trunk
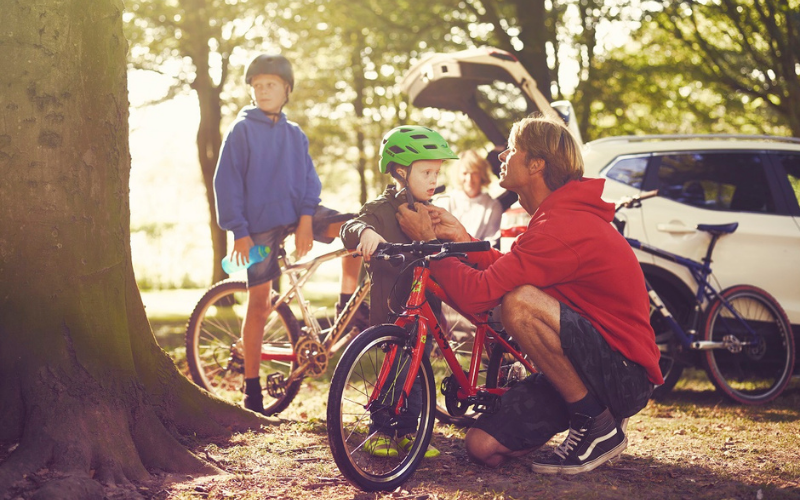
[471,81]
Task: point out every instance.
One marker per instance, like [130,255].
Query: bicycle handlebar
[421,248]
[634,201]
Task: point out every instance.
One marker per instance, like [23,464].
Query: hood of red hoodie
[582,195]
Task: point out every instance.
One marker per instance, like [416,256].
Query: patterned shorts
[533,411]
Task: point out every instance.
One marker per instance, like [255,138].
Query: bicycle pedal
[485,402]
[276,385]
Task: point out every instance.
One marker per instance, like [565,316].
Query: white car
[710,179]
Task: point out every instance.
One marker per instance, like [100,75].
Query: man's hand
[369,243]
[416,225]
[303,236]
[241,250]
[446,226]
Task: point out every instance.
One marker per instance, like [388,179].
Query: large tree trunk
[83,385]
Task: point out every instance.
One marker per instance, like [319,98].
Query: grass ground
[693,445]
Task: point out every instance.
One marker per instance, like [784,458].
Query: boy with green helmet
[413,155]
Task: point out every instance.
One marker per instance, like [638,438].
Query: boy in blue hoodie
[265,180]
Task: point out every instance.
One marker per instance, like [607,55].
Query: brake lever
[395,260]
[444,255]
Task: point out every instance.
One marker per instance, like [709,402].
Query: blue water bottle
[257,254]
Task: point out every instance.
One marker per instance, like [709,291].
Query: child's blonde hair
[471,161]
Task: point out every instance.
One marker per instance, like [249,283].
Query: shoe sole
[586,467]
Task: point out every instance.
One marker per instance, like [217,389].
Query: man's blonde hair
[471,161]
[545,138]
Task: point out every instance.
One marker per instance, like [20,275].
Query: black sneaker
[254,403]
[591,442]
[360,320]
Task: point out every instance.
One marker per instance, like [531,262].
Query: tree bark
[84,388]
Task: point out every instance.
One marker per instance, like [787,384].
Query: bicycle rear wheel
[214,353]
[351,414]
[504,370]
[749,374]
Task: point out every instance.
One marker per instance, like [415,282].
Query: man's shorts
[269,269]
[533,411]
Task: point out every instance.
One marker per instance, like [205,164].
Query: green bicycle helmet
[408,143]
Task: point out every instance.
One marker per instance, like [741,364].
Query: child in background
[413,155]
[469,203]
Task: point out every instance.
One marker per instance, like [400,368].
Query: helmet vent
[397,150]
[412,150]
[431,146]
[419,136]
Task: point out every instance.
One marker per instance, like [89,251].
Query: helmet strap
[404,183]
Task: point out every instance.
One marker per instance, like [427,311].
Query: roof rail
[678,137]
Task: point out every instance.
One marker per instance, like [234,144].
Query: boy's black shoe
[254,402]
[591,442]
[360,320]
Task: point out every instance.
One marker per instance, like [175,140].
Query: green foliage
[656,85]
[725,66]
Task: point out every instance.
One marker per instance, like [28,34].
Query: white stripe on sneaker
[597,441]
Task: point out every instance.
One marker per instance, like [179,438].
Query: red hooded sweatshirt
[571,252]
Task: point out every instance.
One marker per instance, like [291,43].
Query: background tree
[751,47]
[662,83]
[84,389]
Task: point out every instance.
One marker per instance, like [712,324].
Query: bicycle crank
[312,356]
[455,407]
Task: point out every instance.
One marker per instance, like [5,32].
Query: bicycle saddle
[718,229]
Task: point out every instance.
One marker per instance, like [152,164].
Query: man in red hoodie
[573,297]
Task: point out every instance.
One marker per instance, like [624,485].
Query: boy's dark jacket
[265,177]
[379,215]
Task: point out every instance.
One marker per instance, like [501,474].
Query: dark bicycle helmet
[270,64]
[408,143]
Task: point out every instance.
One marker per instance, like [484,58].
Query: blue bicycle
[742,334]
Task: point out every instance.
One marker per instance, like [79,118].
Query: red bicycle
[374,377]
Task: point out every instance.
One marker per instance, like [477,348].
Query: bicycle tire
[216,364]
[755,374]
[671,367]
[504,371]
[349,418]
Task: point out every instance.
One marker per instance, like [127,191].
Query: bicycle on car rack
[742,334]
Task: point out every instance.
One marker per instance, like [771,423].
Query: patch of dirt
[692,446]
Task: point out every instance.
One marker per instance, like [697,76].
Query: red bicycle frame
[418,316]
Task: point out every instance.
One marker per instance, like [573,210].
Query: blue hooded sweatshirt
[265,177]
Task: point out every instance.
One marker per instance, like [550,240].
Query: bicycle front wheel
[214,352]
[359,414]
[752,368]
[671,367]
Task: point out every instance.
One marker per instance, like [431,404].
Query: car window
[716,181]
[629,171]
[791,164]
